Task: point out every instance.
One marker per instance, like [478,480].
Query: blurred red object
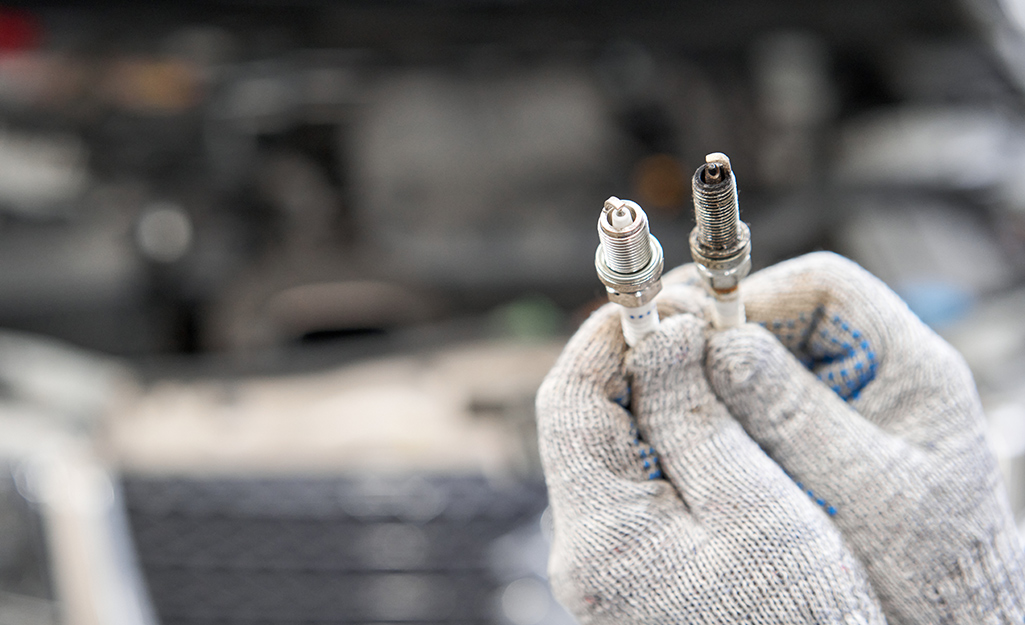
[19,30]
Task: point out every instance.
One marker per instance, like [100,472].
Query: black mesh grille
[290,551]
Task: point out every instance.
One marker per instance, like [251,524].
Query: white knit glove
[878,419]
[711,530]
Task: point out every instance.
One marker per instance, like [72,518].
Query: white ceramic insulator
[621,218]
[728,311]
[638,322]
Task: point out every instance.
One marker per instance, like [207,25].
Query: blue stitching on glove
[642,316]
[647,454]
[830,510]
[859,361]
[833,342]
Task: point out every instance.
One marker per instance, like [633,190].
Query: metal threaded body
[629,263]
[626,247]
[715,204]
[720,243]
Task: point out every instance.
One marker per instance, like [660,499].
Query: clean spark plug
[629,264]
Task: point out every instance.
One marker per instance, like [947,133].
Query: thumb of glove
[928,521]
[813,434]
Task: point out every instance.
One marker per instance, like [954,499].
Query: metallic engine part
[628,259]
[720,243]
[629,263]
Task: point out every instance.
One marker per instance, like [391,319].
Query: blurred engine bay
[346,240]
[233,178]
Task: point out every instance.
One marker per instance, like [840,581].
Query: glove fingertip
[678,341]
[598,339]
[677,299]
[740,359]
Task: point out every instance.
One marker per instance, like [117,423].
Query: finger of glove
[586,437]
[686,274]
[705,453]
[865,344]
[683,297]
[813,434]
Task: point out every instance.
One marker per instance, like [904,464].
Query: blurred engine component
[910,250]
[371,550]
[796,98]
[66,556]
[164,232]
[490,165]
[932,147]
[41,176]
[182,180]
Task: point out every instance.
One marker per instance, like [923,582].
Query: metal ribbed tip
[715,203]
[620,215]
[623,232]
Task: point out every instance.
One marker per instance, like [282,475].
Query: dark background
[227,177]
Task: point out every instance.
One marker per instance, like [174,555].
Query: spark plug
[629,263]
[720,243]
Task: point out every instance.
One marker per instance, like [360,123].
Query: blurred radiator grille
[327,550]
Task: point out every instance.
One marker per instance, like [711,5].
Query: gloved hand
[885,430]
[711,531]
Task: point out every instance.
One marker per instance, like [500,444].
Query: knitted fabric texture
[879,421]
[664,510]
